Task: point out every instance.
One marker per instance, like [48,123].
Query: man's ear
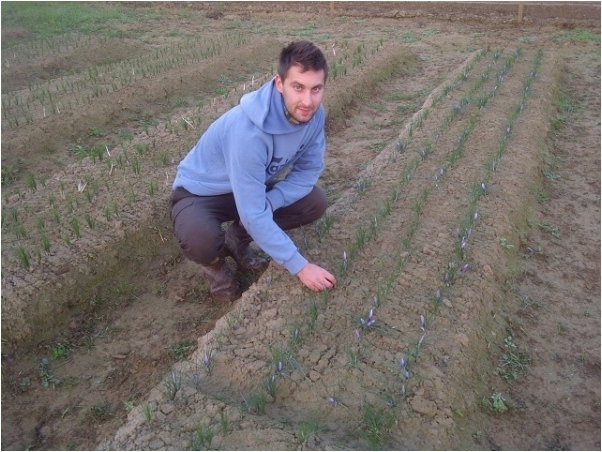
[279,83]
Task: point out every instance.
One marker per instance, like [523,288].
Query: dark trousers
[197,220]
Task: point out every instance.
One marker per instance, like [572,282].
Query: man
[231,174]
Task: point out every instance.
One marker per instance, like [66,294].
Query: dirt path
[450,177]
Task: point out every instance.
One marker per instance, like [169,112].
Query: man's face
[302,92]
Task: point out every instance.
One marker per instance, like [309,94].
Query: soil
[463,173]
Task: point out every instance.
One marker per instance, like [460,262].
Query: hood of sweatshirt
[265,108]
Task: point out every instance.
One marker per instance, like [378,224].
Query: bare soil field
[463,174]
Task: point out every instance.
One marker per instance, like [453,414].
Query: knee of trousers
[201,248]
[318,206]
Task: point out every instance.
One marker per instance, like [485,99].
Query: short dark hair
[304,54]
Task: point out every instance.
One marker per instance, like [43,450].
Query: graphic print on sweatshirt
[278,164]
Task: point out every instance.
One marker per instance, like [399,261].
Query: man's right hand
[316,278]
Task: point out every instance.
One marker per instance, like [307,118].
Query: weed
[308,428]
[46,244]
[498,403]
[504,243]
[96,132]
[562,328]
[90,221]
[75,227]
[580,35]
[180,350]
[61,350]
[102,411]
[376,424]
[141,148]
[313,316]
[513,362]
[148,414]
[550,175]
[202,438]
[46,375]
[256,403]
[31,182]
[553,230]
[9,174]
[224,420]
[362,186]
[124,135]
[354,357]
[22,256]
[172,386]
[128,405]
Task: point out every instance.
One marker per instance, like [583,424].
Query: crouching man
[232,174]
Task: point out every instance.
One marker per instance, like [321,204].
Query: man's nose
[306,98]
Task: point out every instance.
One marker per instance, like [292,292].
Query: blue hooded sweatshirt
[247,147]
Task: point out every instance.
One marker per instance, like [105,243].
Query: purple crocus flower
[279,366]
[332,400]
[464,268]
[407,374]
[446,277]
[422,322]
[358,335]
[438,294]
[402,362]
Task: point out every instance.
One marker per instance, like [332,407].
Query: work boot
[222,283]
[237,245]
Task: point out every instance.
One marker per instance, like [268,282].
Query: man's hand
[316,278]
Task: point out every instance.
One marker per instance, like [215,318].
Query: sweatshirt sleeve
[246,162]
